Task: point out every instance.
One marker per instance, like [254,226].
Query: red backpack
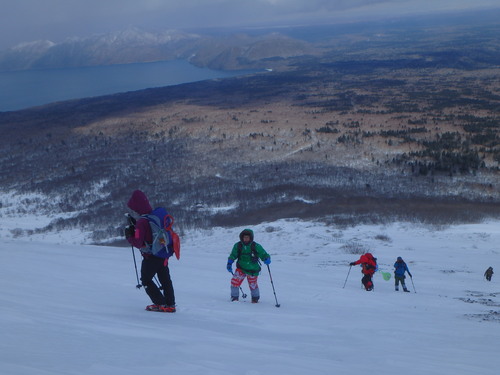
[369,262]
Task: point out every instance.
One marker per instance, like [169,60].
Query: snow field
[74,309]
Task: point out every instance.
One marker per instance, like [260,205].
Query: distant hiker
[141,237]
[489,272]
[368,268]
[247,253]
[400,268]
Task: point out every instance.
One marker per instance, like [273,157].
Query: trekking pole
[138,286]
[131,222]
[270,277]
[347,276]
[243,294]
[411,278]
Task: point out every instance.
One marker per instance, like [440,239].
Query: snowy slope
[74,309]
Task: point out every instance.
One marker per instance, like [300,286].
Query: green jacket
[245,261]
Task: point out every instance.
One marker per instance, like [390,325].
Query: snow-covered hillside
[74,309]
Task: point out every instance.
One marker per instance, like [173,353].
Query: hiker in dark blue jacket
[400,268]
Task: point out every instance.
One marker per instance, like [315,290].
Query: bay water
[24,89]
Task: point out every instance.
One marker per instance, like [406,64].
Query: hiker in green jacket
[247,253]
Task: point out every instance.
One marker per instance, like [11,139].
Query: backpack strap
[253,250]
[153,220]
[168,221]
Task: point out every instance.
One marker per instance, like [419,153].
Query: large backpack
[165,241]
[373,260]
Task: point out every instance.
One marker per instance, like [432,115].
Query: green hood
[246,232]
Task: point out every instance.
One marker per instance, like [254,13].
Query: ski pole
[243,294]
[347,276]
[411,278]
[270,277]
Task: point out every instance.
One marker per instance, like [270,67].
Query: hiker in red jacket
[140,236]
[368,268]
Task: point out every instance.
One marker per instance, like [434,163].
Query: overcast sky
[56,20]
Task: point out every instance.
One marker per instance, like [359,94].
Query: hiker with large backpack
[368,268]
[400,268]
[247,254]
[152,235]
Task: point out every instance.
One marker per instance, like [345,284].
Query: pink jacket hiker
[139,203]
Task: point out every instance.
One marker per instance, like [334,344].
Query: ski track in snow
[74,309]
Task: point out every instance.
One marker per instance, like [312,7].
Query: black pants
[152,266]
[367,281]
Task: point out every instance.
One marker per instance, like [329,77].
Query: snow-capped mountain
[135,45]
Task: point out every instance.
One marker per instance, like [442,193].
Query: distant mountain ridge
[135,46]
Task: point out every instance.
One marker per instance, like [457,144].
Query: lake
[23,89]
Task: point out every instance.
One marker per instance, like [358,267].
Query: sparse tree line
[167,166]
[100,210]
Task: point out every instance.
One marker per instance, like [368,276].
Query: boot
[369,286]
[153,307]
[167,309]
[234,299]
[255,299]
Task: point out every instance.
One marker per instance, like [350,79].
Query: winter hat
[400,259]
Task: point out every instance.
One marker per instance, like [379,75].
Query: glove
[267,261]
[131,220]
[352,263]
[129,231]
[230,265]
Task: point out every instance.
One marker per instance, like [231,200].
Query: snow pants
[237,280]
[152,266]
[367,281]
[398,279]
